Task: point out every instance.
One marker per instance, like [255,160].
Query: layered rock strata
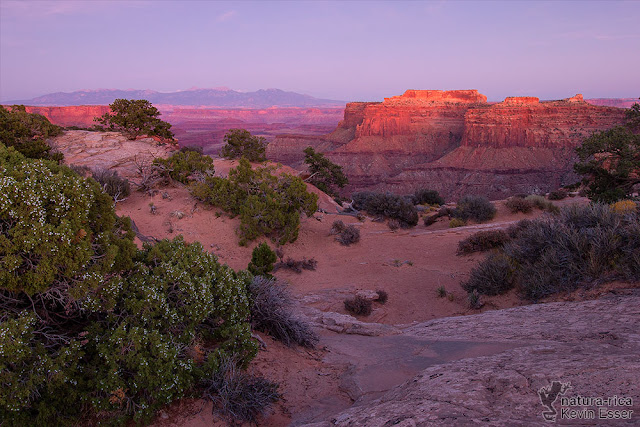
[456,142]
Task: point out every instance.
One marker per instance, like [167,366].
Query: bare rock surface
[109,150]
[347,324]
[488,368]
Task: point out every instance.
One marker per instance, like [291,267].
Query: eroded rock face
[81,115]
[455,142]
[593,346]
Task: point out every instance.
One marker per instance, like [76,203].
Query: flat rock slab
[504,358]
[109,150]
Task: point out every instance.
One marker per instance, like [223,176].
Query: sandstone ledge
[594,345]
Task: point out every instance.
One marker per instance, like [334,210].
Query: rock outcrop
[456,142]
[109,150]
[488,369]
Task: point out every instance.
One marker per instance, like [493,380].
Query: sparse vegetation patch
[358,306]
[387,205]
[578,246]
[483,241]
[272,313]
[477,208]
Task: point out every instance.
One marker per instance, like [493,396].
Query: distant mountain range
[220,97]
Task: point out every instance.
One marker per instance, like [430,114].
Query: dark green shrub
[268,205]
[135,117]
[112,183]
[28,133]
[272,312]
[240,143]
[483,241]
[519,204]
[262,260]
[239,396]
[477,208]
[608,161]
[193,148]
[388,205]
[358,306]
[426,196]
[325,174]
[184,166]
[559,194]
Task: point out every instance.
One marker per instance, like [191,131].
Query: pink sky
[338,50]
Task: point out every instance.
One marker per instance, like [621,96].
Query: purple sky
[353,51]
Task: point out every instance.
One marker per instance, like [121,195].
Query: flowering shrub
[88,324]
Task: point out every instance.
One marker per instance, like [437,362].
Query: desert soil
[372,354]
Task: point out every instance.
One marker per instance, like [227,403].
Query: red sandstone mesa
[455,142]
[80,115]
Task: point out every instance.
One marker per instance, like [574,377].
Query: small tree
[610,160]
[262,260]
[240,143]
[27,133]
[325,175]
[135,117]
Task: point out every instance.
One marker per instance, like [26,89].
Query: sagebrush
[578,246]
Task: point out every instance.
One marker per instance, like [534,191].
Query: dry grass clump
[483,241]
[238,395]
[358,306]
[296,265]
[519,204]
[477,208]
[541,203]
[112,184]
[272,313]
[624,206]
[383,296]
[345,234]
[393,224]
[456,222]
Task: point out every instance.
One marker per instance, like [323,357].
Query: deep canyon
[451,141]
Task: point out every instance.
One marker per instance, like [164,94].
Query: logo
[548,395]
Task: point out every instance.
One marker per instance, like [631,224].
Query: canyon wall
[206,127]
[80,115]
[456,142]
